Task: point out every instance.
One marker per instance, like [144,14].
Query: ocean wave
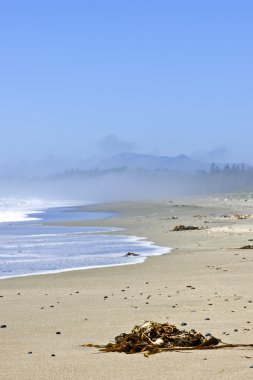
[22,209]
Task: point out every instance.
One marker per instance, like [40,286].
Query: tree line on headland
[228,178]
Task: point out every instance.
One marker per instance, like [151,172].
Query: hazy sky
[161,76]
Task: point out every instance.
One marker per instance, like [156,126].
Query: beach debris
[247,247]
[132,254]
[242,216]
[237,216]
[152,338]
[181,227]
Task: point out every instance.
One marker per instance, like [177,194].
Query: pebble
[251,366]
[3,326]
[207,319]
[52,354]
[29,353]
[183,324]
[58,333]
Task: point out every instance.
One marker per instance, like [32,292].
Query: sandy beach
[205,282]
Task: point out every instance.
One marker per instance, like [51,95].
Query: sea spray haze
[83,186]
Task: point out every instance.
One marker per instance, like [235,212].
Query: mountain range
[151,162]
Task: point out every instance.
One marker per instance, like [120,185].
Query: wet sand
[205,282]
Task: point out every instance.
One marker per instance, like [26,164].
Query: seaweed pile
[181,227]
[247,247]
[151,338]
[131,254]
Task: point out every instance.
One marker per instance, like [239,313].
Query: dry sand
[219,301]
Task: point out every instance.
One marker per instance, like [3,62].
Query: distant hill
[151,162]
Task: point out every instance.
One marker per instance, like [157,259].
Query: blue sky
[164,77]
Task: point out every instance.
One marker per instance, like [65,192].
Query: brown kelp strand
[151,338]
[181,227]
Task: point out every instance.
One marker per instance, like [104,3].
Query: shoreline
[142,247]
[144,258]
[209,260]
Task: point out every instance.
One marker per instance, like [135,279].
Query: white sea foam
[35,254]
[29,248]
[22,209]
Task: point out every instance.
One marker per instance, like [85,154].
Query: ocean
[29,247]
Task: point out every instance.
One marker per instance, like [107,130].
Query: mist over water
[88,187]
